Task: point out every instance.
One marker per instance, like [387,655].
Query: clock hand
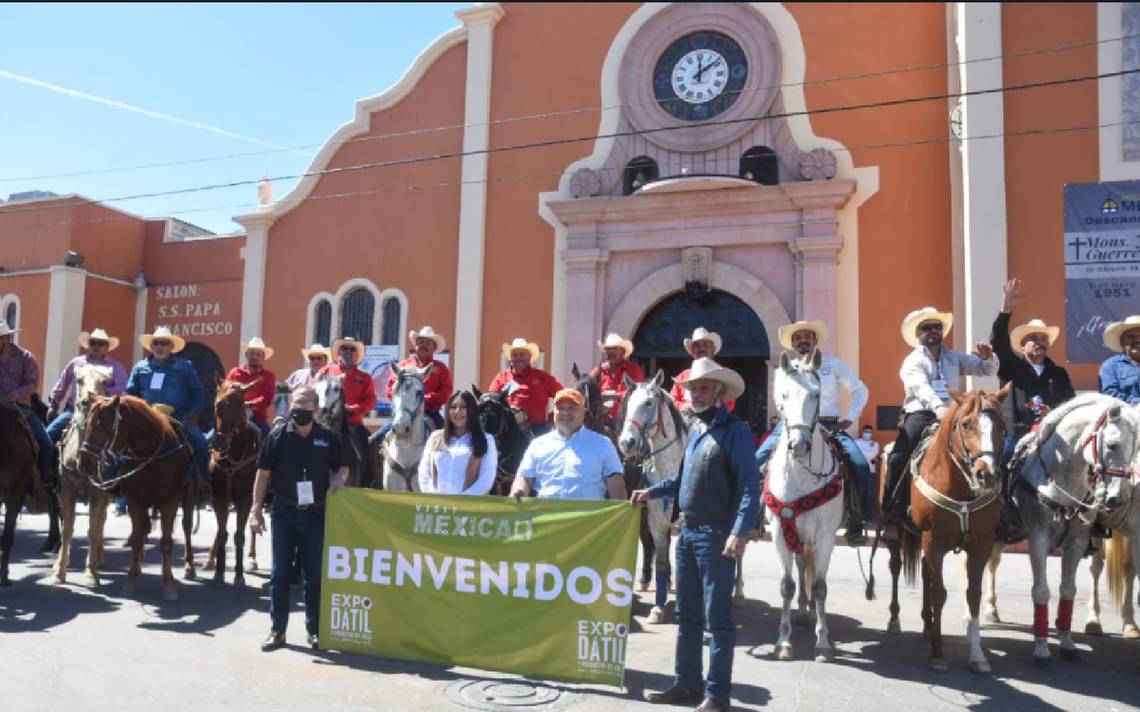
[705,69]
[700,70]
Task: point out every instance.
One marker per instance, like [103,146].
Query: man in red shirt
[527,388]
[438,384]
[704,344]
[359,393]
[611,373]
[258,398]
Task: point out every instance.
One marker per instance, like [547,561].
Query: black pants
[909,436]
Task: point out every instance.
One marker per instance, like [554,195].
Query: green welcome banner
[539,587]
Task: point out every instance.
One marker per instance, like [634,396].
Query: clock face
[700,76]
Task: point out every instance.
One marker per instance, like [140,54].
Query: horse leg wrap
[1064,614]
[1041,620]
[662,593]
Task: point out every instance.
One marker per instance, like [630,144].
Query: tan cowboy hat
[916,317]
[99,335]
[256,344]
[163,332]
[428,333]
[317,350]
[1034,326]
[1112,332]
[349,341]
[615,340]
[5,330]
[703,334]
[705,367]
[788,330]
[521,343]
[167,410]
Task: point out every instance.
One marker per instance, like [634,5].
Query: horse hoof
[785,653]
[190,574]
[218,579]
[251,565]
[208,566]
[738,596]
[993,617]
[1131,632]
[657,615]
[938,665]
[982,668]
[239,581]
[1093,628]
[824,655]
[643,586]
[1041,663]
[91,581]
[59,579]
[1070,655]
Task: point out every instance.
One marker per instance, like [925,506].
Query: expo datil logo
[349,618]
[601,646]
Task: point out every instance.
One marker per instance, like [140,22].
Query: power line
[571,112]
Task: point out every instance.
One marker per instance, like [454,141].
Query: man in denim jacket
[1120,375]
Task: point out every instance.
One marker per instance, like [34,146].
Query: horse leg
[167,511]
[991,582]
[933,560]
[140,528]
[978,557]
[1038,552]
[787,592]
[648,552]
[738,590]
[243,505]
[927,610]
[252,561]
[822,559]
[63,558]
[97,505]
[217,555]
[803,612]
[1131,632]
[12,506]
[1067,591]
[893,625]
[659,525]
[188,509]
[1096,566]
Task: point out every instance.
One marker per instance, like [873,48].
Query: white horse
[89,378]
[1073,470]
[1122,551]
[652,424]
[803,496]
[404,445]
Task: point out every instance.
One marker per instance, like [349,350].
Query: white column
[141,296]
[984,241]
[65,321]
[255,253]
[480,21]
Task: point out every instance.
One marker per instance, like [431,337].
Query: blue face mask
[866,434]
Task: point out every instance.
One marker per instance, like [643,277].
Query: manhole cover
[503,695]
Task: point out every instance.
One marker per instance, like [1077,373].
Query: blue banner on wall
[1102,263]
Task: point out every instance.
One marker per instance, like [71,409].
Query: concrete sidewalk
[71,647]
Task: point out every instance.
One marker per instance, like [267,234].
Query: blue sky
[286,75]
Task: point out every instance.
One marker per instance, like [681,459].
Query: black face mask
[301,417]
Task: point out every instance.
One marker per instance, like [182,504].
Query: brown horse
[233,465]
[129,445]
[17,468]
[955,503]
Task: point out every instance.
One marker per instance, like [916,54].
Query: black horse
[499,421]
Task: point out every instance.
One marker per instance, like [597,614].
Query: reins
[107,453]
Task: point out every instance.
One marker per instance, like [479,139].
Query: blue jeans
[292,528]
[705,578]
[201,450]
[862,472]
[56,427]
[1007,449]
[43,442]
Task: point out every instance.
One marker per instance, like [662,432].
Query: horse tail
[910,546]
[1117,552]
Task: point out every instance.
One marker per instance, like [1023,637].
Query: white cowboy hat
[256,344]
[916,317]
[788,330]
[615,340]
[703,334]
[316,349]
[428,333]
[1034,326]
[99,335]
[163,332]
[1112,332]
[705,367]
[5,330]
[521,343]
[349,341]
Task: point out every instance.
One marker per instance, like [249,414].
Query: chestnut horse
[129,445]
[955,503]
[17,468]
[233,466]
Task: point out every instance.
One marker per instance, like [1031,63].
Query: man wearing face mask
[869,447]
[703,344]
[301,465]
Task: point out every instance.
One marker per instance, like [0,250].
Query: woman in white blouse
[460,459]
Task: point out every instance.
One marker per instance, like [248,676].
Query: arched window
[12,316]
[760,164]
[390,331]
[322,322]
[638,172]
[356,315]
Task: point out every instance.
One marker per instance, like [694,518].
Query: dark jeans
[909,436]
[43,442]
[292,528]
[705,578]
[56,427]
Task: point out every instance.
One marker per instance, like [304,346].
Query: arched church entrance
[658,343]
[208,365]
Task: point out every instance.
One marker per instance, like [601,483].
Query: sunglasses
[161,343]
[318,358]
[347,349]
[935,326]
[93,343]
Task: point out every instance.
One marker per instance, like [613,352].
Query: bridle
[414,412]
[106,456]
[656,420]
[810,427]
[1096,439]
[964,459]
[223,458]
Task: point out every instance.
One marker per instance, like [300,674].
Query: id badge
[156,381]
[305,493]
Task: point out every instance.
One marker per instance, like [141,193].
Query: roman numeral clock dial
[700,76]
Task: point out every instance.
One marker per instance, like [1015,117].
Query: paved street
[71,647]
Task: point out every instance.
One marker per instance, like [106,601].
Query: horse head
[229,410]
[103,439]
[588,386]
[977,435]
[493,411]
[798,392]
[1109,450]
[642,410]
[408,398]
[330,396]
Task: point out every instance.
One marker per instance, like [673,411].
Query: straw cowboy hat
[99,335]
[163,332]
[788,330]
[428,333]
[349,341]
[521,343]
[705,367]
[703,334]
[256,344]
[614,340]
[916,317]
[1034,326]
[316,350]
[1112,332]
[5,330]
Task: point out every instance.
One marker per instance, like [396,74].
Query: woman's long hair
[474,428]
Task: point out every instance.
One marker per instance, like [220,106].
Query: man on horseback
[19,379]
[261,396]
[317,356]
[163,379]
[527,388]
[1120,375]
[359,394]
[805,337]
[611,373]
[717,495]
[927,372]
[61,402]
[704,344]
[437,385]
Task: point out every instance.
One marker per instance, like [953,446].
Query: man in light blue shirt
[570,462]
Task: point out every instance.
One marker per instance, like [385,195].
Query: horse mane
[139,407]
[1054,417]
